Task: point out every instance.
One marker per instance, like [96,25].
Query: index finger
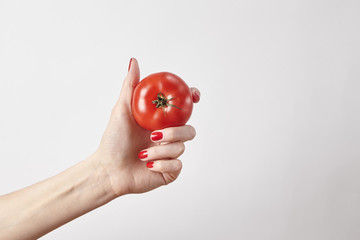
[173,134]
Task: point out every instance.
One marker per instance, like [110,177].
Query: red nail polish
[196,97]
[156,136]
[149,164]
[130,64]
[143,154]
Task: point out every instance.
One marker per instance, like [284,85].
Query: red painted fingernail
[130,64]
[156,136]
[143,154]
[196,97]
[149,164]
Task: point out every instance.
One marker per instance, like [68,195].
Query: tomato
[161,100]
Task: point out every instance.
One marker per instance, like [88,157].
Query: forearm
[36,210]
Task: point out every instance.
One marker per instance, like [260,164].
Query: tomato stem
[162,102]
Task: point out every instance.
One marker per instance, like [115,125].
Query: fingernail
[149,164]
[143,154]
[130,64]
[196,97]
[156,136]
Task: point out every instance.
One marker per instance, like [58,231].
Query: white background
[277,152]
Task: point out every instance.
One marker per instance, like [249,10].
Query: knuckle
[171,134]
[178,165]
[153,152]
[180,148]
[192,132]
[160,166]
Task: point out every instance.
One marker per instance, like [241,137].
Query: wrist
[101,176]
[113,182]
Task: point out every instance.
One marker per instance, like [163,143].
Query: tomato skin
[145,112]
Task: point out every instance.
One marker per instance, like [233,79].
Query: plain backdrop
[277,152]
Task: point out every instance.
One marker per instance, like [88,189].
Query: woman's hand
[136,160]
[114,169]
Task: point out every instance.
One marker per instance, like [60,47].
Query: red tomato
[162,100]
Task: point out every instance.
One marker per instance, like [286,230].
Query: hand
[113,170]
[124,143]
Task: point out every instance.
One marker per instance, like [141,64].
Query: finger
[165,166]
[130,82]
[195,94]
[173,134]
[167,151]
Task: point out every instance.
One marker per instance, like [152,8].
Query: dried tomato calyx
[162,101]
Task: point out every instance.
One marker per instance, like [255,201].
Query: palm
[122,141]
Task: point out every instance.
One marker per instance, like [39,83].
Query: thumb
[130,82]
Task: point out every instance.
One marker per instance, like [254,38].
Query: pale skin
[113,170]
